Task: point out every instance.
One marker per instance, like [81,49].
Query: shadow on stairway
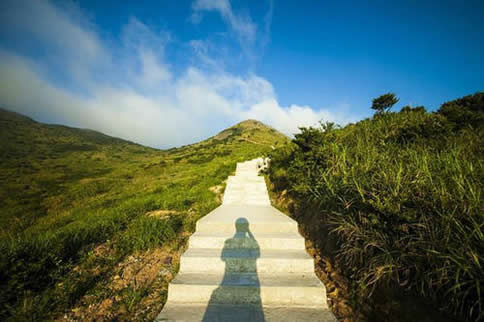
[240,254]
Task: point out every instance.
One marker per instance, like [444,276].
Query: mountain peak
[250,123]
[252,131]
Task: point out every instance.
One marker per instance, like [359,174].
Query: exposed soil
[337,287]
[218,191]
[135,291]
[161,213]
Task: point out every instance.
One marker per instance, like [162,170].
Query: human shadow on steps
[240,281]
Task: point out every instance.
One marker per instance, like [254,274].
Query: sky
[167,73]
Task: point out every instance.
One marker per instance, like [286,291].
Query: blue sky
[167,73]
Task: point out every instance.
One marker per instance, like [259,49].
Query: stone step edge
[197,312]
[296,280]
[264,254]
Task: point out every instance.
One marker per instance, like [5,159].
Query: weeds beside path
[396,203]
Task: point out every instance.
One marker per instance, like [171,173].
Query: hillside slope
[394,204]
[79,205]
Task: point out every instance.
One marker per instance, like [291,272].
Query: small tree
[384,102]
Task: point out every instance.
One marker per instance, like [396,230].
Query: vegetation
[384,102]
[77,205]
[397,200]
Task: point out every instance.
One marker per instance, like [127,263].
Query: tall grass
[402,193]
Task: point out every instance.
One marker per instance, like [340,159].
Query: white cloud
[289,119]
[130,90]
[241,25]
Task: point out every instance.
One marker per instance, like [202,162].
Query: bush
[466,111]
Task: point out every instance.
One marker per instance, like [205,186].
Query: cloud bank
[126,87]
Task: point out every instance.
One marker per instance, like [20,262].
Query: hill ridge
[7,115]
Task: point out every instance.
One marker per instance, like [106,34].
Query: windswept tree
[384,102]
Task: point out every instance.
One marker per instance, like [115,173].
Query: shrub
[465,111]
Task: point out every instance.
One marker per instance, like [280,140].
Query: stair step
[247,202]
[261,219]
[249,279]
[290,240]
[253,191]
[247,312]
[246,260]
[240,288]
[247,196]
[237,182]
[246,179]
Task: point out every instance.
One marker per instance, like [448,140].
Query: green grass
[402,196]
[64,191]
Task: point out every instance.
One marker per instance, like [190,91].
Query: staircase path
[246,262]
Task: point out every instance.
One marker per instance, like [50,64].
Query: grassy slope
[401,194]
[67,191]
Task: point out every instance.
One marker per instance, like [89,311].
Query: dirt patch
[337,287]
[135,291]
[161,213]
[223,135]
[218,191]
[103,250]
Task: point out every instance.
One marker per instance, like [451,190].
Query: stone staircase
[246,262]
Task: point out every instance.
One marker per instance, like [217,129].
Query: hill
[394,206]
[88,221]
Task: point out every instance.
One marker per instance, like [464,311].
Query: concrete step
[238,182]
[247,312]
[233,188]
[248,195]
[246,260]
[261,219]
[247,175]
[254,190]
[274,227]
[247,201]
[246,190]
[253,193]
[239,187]
[290,240]
[248,178]
[246,288]
[244,193]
